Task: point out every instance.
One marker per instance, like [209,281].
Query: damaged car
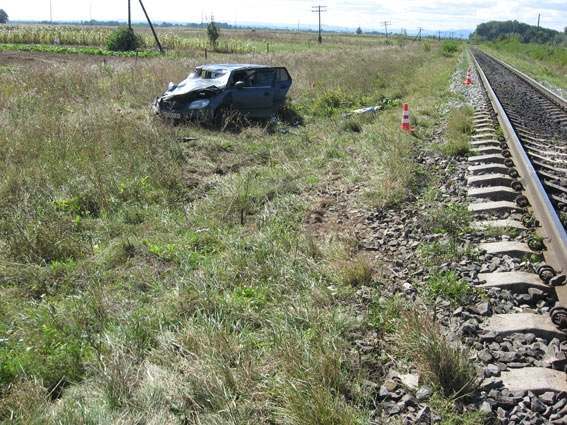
[256,91]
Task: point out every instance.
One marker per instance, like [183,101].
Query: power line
[319,9]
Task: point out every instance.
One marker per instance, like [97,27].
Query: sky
[368,14]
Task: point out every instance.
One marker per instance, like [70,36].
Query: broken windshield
[198,80]
[206,74]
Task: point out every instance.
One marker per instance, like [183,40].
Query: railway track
[517,181]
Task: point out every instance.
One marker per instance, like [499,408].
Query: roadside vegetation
[459,131]
[166,274]
[91,51]
[190,41]
[445,365]
[544,62]
[124,40]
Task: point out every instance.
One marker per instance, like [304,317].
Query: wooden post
[151,27]
[129,16]
[267,47]
[205,53]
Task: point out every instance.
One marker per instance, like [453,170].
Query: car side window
[261,78]
[238,76]
[282,75]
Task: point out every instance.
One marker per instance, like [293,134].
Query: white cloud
[410,14]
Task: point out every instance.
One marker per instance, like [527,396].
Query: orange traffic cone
[468,80]
[405,120]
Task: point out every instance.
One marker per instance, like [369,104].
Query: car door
[256,97]
[283,84]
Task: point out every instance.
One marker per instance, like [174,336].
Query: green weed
[357,272]
[451,219]
[444,364]
[385,313]
[449,47]
[449,286]
[439,252]
[459,129]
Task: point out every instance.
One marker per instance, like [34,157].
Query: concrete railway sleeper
[517,181]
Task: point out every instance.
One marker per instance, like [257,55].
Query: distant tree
[213,33]
[524,33]
[359,31]
[3,17]
[123,40]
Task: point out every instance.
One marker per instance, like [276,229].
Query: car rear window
[282,75]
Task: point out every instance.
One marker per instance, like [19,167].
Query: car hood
[194,84]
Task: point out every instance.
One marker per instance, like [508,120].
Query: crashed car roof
[230,66]
[197,83]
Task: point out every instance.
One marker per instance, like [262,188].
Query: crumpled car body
[256,91]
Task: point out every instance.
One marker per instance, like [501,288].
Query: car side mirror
[239,84]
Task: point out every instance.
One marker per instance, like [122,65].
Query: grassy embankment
[543,62]
[143,277]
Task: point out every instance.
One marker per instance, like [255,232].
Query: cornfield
[97,37]
[66,35]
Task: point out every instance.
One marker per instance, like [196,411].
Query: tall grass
[165,274]
[444,364]
[459,130]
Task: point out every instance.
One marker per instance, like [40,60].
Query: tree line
[496,30]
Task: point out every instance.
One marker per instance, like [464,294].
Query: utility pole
[319,9]
[129,15]
[418,36]
[151,26]
[538,17]
[439,35]
[50,11]
[386,23]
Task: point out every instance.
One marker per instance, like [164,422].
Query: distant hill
[496,30]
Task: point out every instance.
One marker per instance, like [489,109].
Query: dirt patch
[334,214]
[42,59]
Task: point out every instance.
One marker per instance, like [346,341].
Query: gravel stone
[485,408]
[491,370]
[423,393]
[537,405]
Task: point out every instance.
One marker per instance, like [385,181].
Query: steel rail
[554,235]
